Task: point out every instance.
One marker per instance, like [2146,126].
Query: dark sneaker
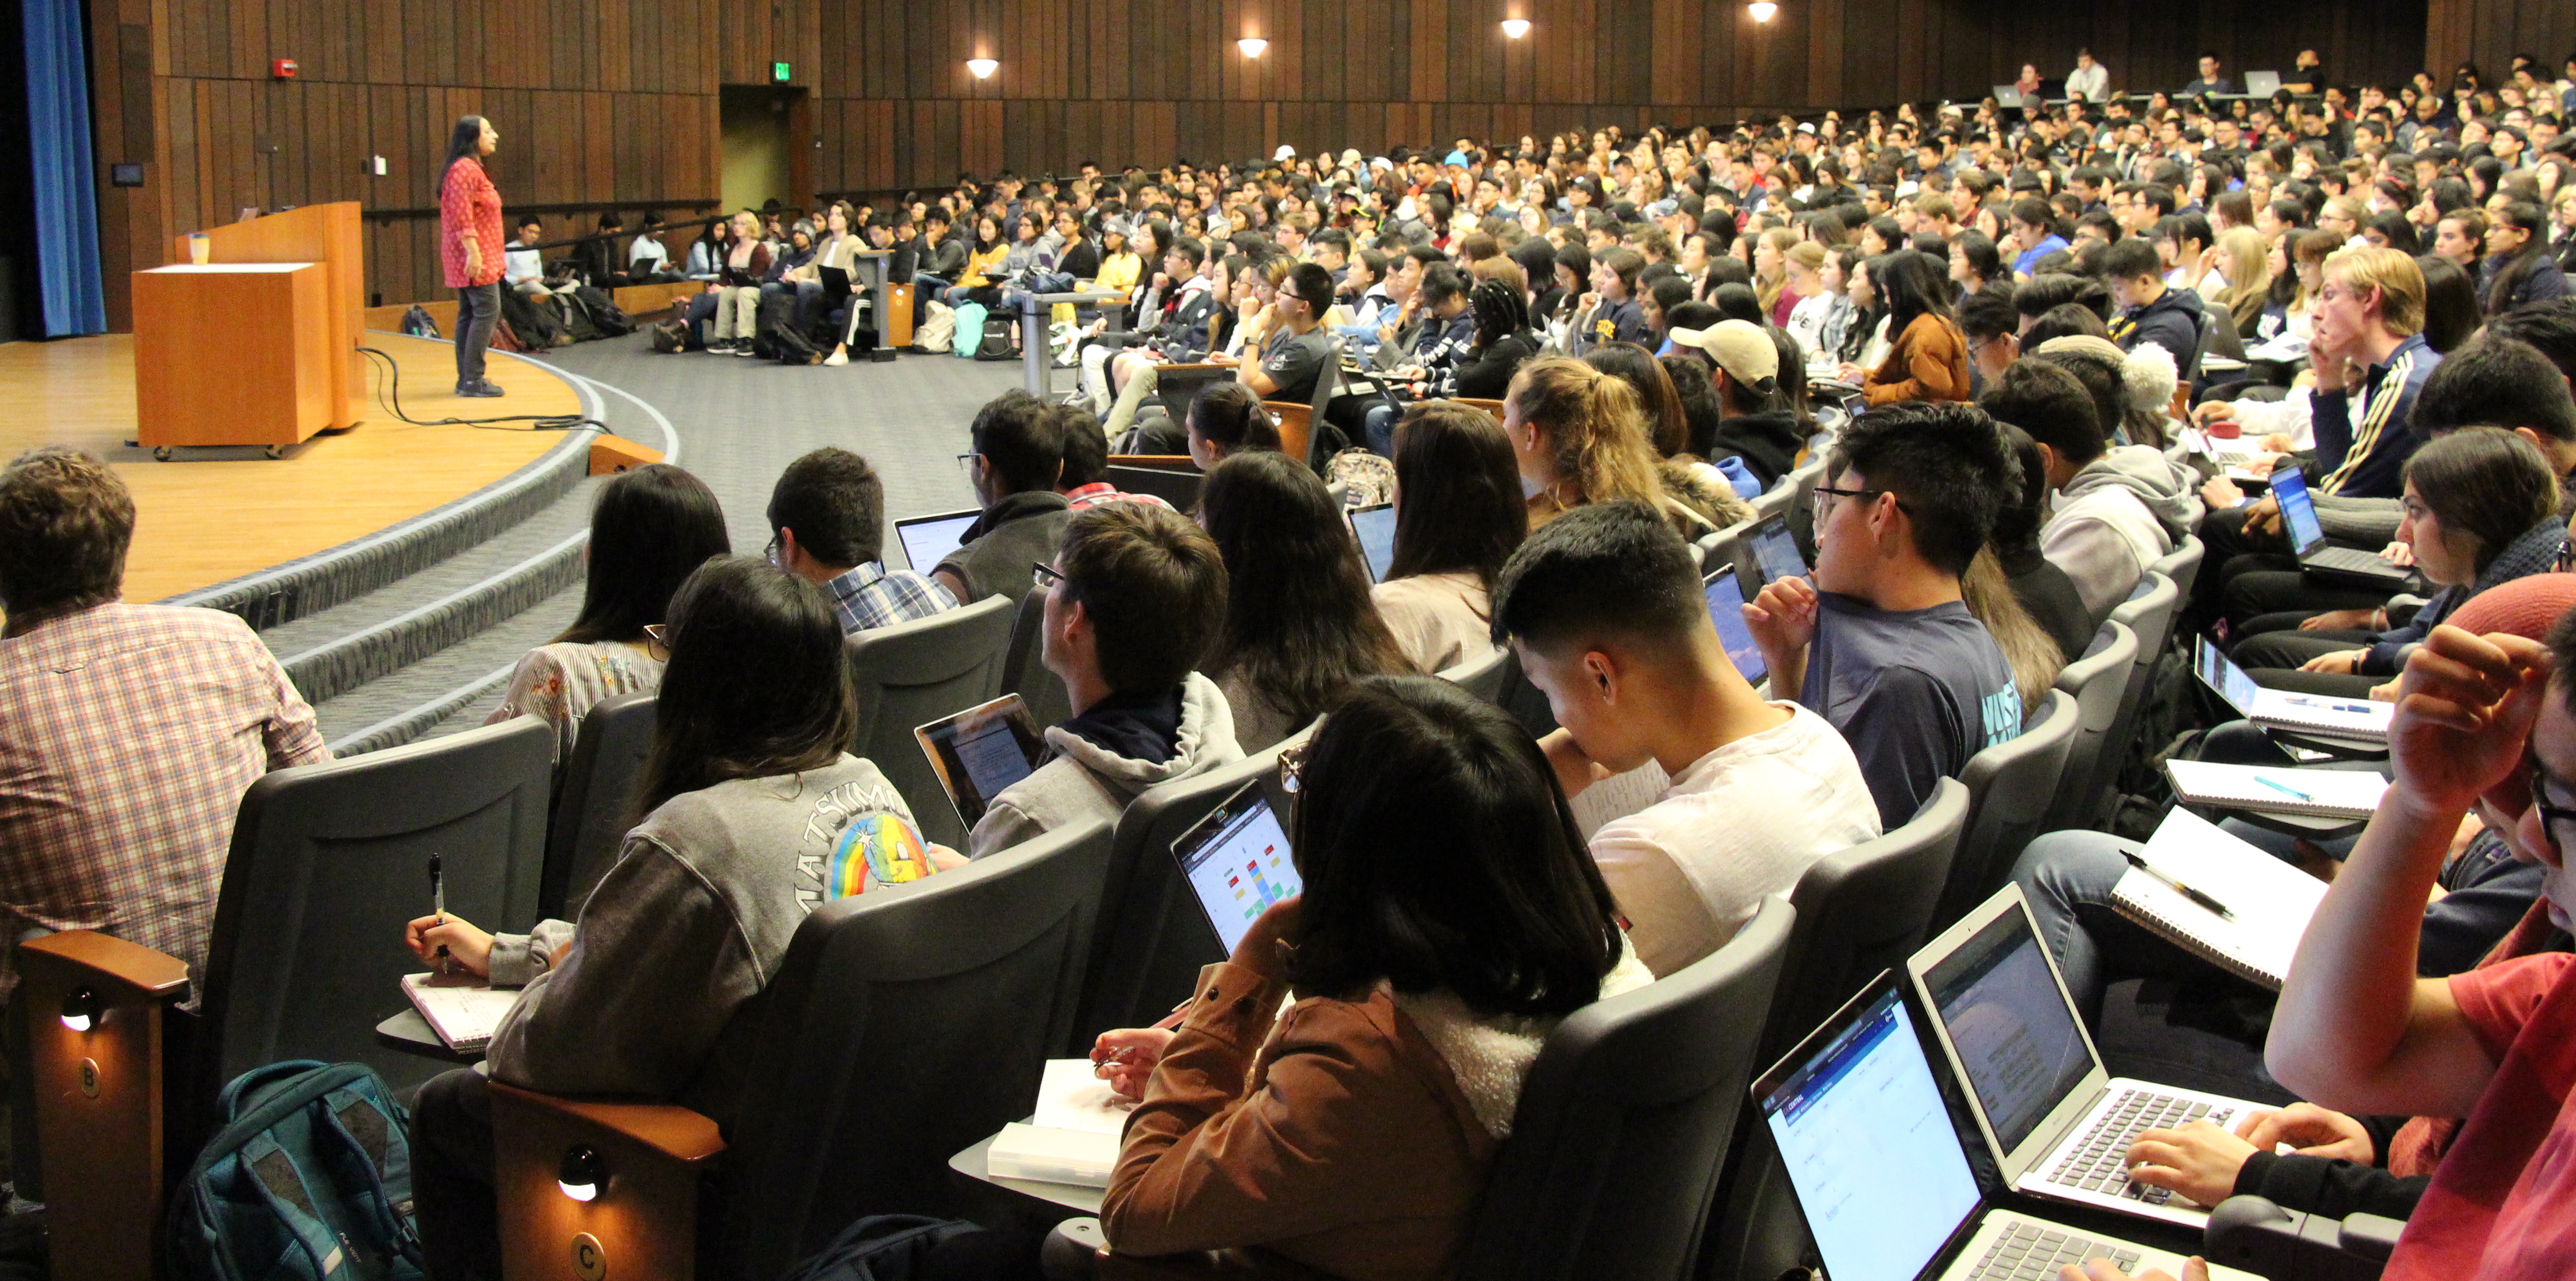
[484,388]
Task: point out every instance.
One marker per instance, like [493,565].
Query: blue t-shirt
[1915,693]
[2048,245]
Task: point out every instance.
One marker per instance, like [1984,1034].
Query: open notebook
[462,1008]
[2271,900]
[1074,1136]
[2325,793]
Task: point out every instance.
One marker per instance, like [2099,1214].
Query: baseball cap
[1739,347]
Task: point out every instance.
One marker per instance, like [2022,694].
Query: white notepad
[2325,793]
[2272,900]
[462,1008]
[1074,1136]
[2354,718]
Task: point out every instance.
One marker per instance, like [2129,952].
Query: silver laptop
[2317,556]
[2059,1126]
[2262,84]
[1881,1175]
[927,540]
[2007,95]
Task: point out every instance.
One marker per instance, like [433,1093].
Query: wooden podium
[259,345]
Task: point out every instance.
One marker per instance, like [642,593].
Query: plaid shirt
[128,734]
[1101,491]
[874,596]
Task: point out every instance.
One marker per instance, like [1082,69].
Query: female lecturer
[469,247]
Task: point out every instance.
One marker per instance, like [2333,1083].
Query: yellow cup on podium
[201,248]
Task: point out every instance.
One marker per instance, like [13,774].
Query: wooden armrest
[643,1222]
[92,955]
[1210,365]
[1167,462]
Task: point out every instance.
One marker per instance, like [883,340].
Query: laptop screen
[1726,609]
[2291,489]
[981,751]
[927,540]
[1868,1144]
[1775,551]
[2016,1038]
[1375,528]
[1237,863]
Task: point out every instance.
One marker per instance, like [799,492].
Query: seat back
[1482,677]
[913,673]
[1775,501]
[905,1024]
[1025,675]
[1328,384]
[2010,786]
[1494,407]
[2182,564]
[1296,437]
[1177,484]
[1153,937]
[1802,507]
[596,801]
[1723,550]
[330,861]
[2100,682]
[2149,613]
[1625,1120]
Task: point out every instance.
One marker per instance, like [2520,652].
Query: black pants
[2268,585]
[452,1177]
[478,308]
[2272,658]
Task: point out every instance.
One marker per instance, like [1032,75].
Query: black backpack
[1000,332]
[880,1247]
[416,321]
[611,321]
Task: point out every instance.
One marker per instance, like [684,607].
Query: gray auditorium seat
[913,673]
[595,806]
[2182,564]
[2010,786]
[1777,500]
[1721,550]
[2149,613]
[1625,1119]
[1024,674]
[1178,485]
[328,864]
[1482,677]
[2099,680]
[1153,938]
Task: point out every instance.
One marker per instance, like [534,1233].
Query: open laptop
[2360,719]
[1774,550]
[1236,861]
[980,751]
[2007,95]
[1374,527]
[2059,1126]
[1726,609]
[927,540]
[2262,84]
[2308,540]
[1880,1172]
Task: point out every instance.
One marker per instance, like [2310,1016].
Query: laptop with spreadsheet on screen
[1881,1174]
[2058,1124]
[2308,539]
[1237,863]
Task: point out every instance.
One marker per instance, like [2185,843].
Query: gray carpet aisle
[740,422]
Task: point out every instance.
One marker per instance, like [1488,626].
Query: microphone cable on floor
[392,385]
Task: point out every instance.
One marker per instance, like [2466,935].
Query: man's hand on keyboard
[2196,1159]
[2193,1269]
[2317,1131]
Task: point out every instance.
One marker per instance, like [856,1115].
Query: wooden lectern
[259,345]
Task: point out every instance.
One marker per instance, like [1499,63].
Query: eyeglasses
[2557,822]
[966,463]
[1292,767]
[2566,557]
[1824,509]
[1046,576]
[658,633]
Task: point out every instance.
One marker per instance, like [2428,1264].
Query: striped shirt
[875,596]
[2362,437]
[128,734]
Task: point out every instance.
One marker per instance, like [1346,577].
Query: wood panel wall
[2490,32]
[601,100]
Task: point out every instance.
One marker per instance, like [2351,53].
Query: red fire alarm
[283,68]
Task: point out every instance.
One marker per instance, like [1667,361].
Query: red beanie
[2526,606]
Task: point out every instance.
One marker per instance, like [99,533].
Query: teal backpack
[970,329]
[308,1180]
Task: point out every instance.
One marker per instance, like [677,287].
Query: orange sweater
[1929,361]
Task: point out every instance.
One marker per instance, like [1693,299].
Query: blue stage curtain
[66,201]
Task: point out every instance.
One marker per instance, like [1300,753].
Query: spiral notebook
[2324,793]
[2271,900]
[464,1009]
[2357,719]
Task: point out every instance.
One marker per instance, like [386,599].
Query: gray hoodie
[2118,514]
[689,927]
[1086,781]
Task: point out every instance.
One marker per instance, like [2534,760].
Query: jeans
[2067,879]
[452,1177]
[1377,429]
[478,308]
[2273,659]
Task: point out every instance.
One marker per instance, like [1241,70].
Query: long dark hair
[464,142]
[1439,855]
[1299,625]
[2487,483]
[652,527]
[712,720]
[1909,284]
[1458,488]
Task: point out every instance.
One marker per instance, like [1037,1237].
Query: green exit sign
[779,71]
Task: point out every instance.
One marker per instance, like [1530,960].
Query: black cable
[542,422]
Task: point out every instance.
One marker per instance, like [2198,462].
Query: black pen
[2178,887]
[438,906]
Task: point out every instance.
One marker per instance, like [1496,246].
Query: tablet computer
[982,750]
[927,540]
[1775,551]
[1236,862]
[1374,527]
[1726,611]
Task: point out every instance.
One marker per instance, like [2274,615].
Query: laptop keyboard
[2101,1162]
[2352,559]
[2034,1252]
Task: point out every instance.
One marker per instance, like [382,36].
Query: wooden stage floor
[199,522]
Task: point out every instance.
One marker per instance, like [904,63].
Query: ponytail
[1596,431]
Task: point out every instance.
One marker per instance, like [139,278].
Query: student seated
[827,526]
[1450,921]
[2042,589]
[1458,515]
[1133,600]
[1018,453]
[1755,424]
[2150,312]
[753,817]
[1084,479]
[1880,643]
[2117,510]
[1580,437]
[1604,607]
[1928,357]
[523,268]
[1299,626]
[651,528]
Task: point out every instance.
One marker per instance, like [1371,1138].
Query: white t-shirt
[1740,823]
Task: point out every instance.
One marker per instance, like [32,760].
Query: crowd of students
[2013,321]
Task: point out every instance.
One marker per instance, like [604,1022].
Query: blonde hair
[1808,255]
[1782,240]
[2399,281]
[2028,650]
[1596,432]
[2244,260]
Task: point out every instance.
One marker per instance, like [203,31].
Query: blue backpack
[970,329]
[309,1180]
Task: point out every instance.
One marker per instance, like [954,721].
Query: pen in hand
[438,906]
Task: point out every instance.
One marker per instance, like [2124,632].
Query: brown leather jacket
[1929,361]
